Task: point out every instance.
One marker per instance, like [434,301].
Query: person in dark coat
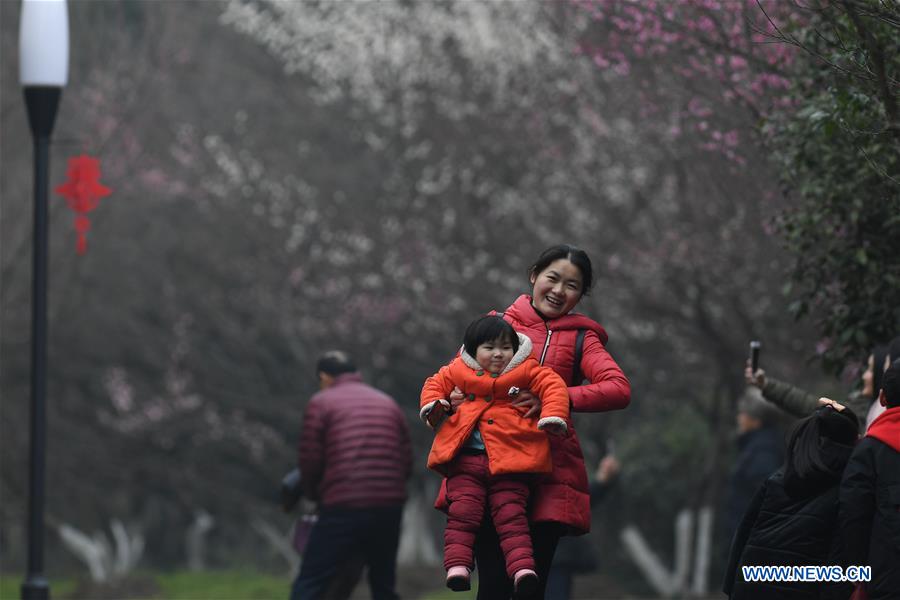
[869,510]
[760,453]
[792,519]
[355,456]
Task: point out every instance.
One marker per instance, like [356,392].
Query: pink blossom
[697,108]
[706,25]
[622,68]
[153,178]
[600,61]
[731,138]
[738,62]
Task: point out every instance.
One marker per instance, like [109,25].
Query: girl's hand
[527,404]
[438,413]
[829,402]
[456,398]
[555,429]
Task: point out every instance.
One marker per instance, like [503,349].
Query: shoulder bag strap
[577,375]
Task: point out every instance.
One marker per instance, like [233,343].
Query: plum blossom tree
[822,77]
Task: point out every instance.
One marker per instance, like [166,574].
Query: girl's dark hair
[576,256]
[488,329]
[878,356]
[808,441]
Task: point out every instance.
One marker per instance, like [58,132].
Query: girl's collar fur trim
[518,358]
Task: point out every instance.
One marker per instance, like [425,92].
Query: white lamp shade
[44,43]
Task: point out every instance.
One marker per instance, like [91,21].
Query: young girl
[486,447]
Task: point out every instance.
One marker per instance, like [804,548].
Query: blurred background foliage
[839,155]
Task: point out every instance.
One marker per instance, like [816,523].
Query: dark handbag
[291,489]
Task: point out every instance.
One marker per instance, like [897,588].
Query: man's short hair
[334,363]
[752,404]
[890,384]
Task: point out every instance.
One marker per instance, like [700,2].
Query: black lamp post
[43,70]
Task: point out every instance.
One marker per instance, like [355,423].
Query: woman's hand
[757,379]
[456,398]
[527,404]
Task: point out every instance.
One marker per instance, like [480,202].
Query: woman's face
[868,377]
[557,289]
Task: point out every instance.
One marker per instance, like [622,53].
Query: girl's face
[868,377]
[493,356]
[557,289]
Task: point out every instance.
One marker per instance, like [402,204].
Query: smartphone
[754,355]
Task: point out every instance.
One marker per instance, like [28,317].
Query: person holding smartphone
[800,403]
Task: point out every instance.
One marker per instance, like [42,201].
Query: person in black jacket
[869,510]
[792,519]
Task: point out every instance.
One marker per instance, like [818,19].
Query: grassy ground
[413,584]
[11,584]
[207,585]
[224,585]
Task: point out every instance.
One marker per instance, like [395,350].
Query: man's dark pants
[342,535]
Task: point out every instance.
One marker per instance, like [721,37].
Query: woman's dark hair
[576,256]
[878,356]
[894,349]
[891,384]
[488,329]
[807,441]
[334,363]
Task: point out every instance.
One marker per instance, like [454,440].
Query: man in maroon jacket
[355,456]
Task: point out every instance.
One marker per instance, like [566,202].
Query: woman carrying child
[487,448]
[560,500]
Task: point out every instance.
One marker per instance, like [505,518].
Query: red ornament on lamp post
[83,192]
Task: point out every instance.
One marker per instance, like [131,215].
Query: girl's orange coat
[513,443]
